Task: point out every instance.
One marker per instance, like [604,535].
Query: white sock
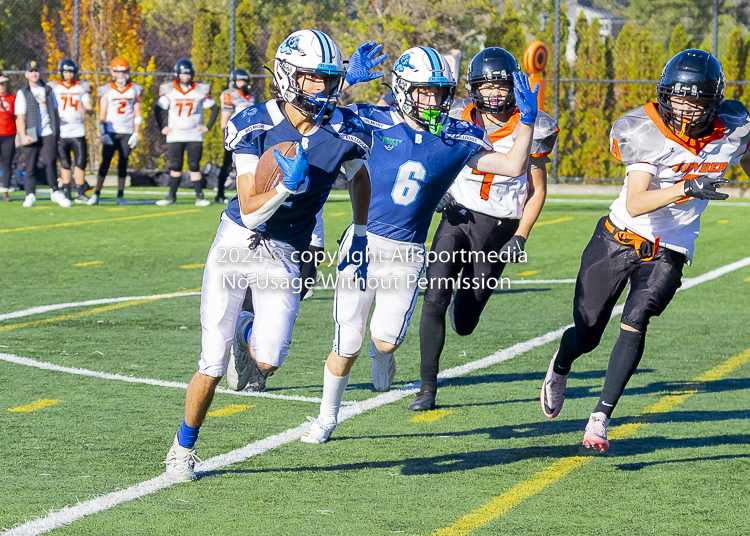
[333,392]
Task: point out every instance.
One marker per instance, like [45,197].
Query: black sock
[81,188]
[66,190]
[174,184]
[99,185]
[567,353]
[198,189]
[121,186]
[623,361]
[431,342]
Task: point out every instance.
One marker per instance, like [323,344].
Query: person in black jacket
[39,130]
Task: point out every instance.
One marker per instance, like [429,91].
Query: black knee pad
[463,324]
[432,308]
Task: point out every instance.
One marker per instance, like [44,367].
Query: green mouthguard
[433,116]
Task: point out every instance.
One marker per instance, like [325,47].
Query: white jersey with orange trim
[642,141]
[497,195]
[185,109]
[120,106]
[234,101]
[70,101]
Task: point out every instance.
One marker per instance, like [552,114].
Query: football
[268,174]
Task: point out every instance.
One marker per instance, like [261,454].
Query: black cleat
[425,400]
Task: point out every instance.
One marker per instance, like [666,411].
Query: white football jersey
[642,141]
[185,109]
[497,195]
[234,101]
[120,106]
[70,101]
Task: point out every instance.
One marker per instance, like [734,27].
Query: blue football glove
[294,169]
[362,62]
[357,256]
[526,100]
[106,136]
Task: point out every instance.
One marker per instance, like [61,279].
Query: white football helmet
[309,52]
[423,67]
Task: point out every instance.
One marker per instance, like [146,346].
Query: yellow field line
[231,409]
[88,263]
[103,220]
[340,213]
[91,311]
[39,404]
[529,272]
[194,265]
[504,503]
[550,222]
[430,416]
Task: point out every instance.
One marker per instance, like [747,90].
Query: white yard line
[28,362]
[59,518]
[46,308]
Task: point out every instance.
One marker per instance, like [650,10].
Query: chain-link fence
[603,55]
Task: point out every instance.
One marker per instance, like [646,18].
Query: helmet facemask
[120,78]
[429,117]
[317,105]
[691,122]
[496,104]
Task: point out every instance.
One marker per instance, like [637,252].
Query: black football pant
[466,239]
[7,150]
[47,147]
[607,267]
[226,168]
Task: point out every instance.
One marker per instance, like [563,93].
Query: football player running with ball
[417,153]
[73,101]
[184,100]
[119,125]
[261,235]
[676,152]
[486,217]
[233,100]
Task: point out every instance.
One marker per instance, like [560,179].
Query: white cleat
[241,363]
[29,201]
[82,199]
[553,391]
[165,202]
[93,200]
[318,433]
[203,202]
[181,463]
[383,371]
[595,435]
[59,197]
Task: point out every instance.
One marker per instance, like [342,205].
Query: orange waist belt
[645,248]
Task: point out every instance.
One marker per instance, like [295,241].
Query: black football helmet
[240,74]
[68,65]
[692,74]
[493,64]
[184,66]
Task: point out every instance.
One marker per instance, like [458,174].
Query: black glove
[513,248]
[705,188]
[446,202]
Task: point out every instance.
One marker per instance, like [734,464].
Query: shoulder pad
[736,120]
[165,88]
[204,86]
[469,132]
[635,138]
[137,88]
[352,128]
[52,84]
[458,106]
[545,135]
[377,117]
[86,86]
[103,90]
[247,125]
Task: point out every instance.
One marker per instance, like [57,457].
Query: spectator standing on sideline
[39,129]
[7,135]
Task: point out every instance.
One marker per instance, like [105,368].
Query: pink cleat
[596,432]
[553,391]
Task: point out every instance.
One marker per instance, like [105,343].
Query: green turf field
[486,462]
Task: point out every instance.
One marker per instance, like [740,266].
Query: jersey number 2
[407,184]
